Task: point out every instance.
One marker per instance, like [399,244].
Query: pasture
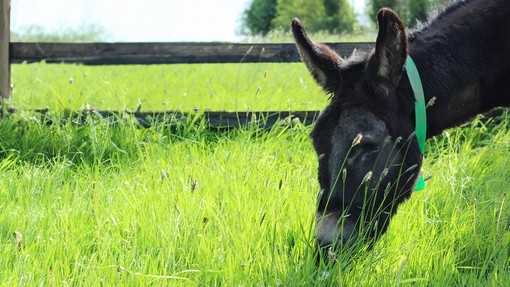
[109,203]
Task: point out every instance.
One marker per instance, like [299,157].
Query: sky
[138,21]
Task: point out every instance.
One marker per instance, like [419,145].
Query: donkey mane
[440,12]
[463,53]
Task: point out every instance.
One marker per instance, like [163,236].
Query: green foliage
[257,17]
[418,10]
[309,11]
[333,16]
[410,11]
[339,16]
[35,33]
[318,15]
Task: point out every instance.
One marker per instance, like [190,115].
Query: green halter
[419,111]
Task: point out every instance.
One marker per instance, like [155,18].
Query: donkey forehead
[359,120]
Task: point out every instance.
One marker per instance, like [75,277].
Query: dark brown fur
[464,61]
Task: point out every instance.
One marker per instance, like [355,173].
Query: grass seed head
[357,140]
[19,239]
[368,177]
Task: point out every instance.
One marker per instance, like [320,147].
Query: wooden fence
[158,53]
[5,36]
[176,53]
[164,53]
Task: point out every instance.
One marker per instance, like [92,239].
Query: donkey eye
[363,151]
[368,151]
[370,147]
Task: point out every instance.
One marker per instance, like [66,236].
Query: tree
[257,18]
[417,10]
[308,11]
[318,15]
[339,15]
[410,11]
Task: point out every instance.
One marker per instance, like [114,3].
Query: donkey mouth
[333,229]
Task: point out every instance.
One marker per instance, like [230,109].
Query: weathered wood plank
[163,53]
[5,71]
[218,120]
[222,120]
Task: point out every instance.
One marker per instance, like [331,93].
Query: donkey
[369,157]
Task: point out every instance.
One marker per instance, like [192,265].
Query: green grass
[230,87]
[105,204]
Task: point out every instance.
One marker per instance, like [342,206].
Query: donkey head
[369,159]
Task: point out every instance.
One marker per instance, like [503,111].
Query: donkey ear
[386,66]
[322,62]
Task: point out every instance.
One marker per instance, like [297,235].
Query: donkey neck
[464,63]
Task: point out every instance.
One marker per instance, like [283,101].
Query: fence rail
[217,120]
[163,53]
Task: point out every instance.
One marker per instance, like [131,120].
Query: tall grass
[114,204]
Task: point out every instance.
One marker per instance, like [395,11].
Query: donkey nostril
[326,229]
[332,229]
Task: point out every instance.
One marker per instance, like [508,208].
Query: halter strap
[419,111]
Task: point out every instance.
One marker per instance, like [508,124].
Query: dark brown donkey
[369,158]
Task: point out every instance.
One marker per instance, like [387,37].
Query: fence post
[5,37]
